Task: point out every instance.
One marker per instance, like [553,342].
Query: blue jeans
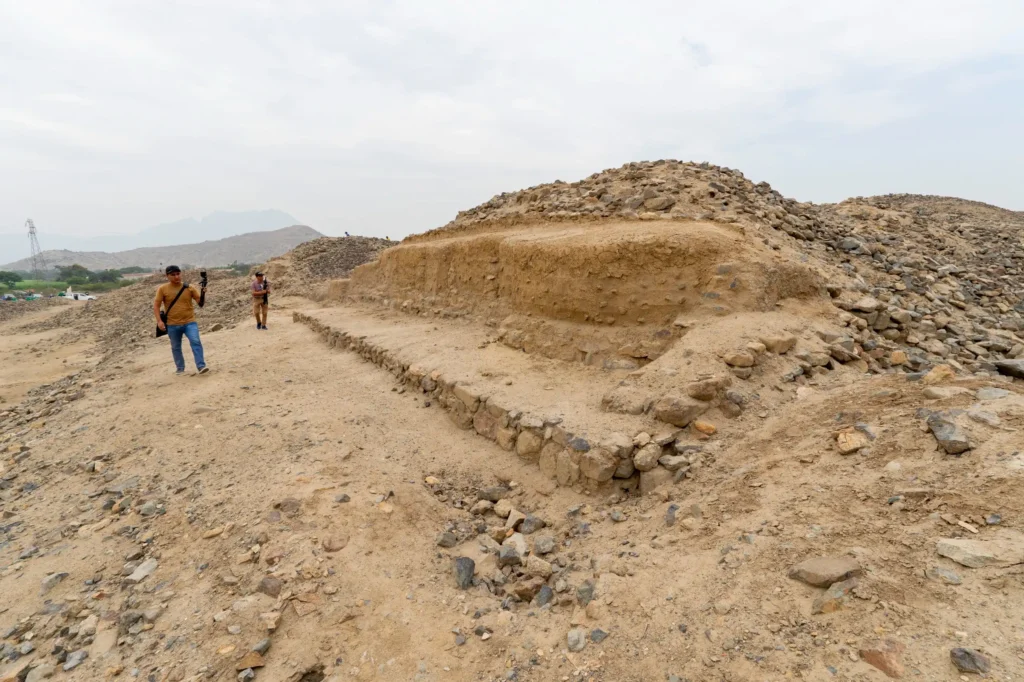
[190,331]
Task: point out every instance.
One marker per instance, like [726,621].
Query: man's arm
[156,311]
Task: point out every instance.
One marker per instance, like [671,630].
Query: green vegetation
[75,276]
[242,269]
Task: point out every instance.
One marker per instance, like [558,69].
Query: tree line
[72,275]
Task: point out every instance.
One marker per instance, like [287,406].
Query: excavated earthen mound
[616,267]
[613,291]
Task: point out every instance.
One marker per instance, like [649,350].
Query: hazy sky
[389,116]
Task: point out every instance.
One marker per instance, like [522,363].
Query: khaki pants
[259,309]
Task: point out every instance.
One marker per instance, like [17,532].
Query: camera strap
[175,300]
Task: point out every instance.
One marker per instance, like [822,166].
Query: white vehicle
[78,296]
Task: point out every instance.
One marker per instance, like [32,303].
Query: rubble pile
[334,257]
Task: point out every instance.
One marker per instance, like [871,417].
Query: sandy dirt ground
[299,487]
[31,359]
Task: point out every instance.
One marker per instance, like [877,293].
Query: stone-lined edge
[568,459]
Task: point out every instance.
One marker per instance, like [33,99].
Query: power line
[38,262]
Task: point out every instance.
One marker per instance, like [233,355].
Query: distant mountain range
[217,225]
[254,247]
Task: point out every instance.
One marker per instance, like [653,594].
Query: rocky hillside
[254,247]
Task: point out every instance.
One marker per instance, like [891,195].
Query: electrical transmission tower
[38,264]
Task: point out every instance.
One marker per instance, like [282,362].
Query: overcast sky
[389,116]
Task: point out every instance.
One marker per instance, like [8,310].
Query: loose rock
[950,436]
[1002,551]
[75,659]
[969,661]
[824,571]
[886,655]
[834,598]
[577,640]
[531,524]
[464,570]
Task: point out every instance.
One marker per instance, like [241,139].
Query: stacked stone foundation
[610,463]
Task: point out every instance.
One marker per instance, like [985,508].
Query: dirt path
[279,418]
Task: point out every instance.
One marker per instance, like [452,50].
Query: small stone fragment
[970,661]
[492,494]
[938,374]
[739,359]
[646,458]
[253,659]
[952,439]
[707,428]
[531,524]
[481,507]
[585,592]
[464,570]
[508,556]
[577,640]
[503,508]
[537,567]
[270,586]
[943,574]
[834,598]
[886,655]
[145,569]
[41,672]
[51,581]
[335,543]
[992,393]
[447,540]
[670,515]
[824,571]
[543,544]
[1002,550]
[75,659]
[850,441]
[515,517]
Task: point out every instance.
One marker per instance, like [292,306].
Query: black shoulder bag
[163,313]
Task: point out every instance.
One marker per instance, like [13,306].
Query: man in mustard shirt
[176,300]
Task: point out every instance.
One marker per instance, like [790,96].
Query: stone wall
[641,462]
